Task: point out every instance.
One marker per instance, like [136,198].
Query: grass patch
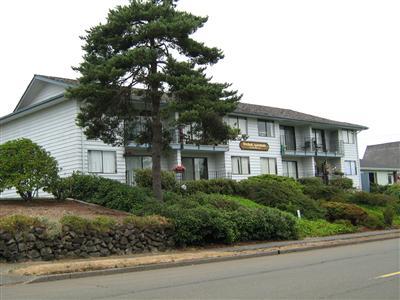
[243,201]
[317,228]
[377,211]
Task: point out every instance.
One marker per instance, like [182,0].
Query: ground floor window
[268,165]
[290,169]
[138,162]
[102,161]
[240,165]
[390,178]
[350,167]
[195,168]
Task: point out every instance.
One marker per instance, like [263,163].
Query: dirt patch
[54,210]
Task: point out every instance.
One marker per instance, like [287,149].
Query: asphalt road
[347,272]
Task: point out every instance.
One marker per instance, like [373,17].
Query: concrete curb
[234,256]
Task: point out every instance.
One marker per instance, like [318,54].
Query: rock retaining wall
[37,244]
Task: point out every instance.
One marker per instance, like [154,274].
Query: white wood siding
[39,92]
[351,153]
[52,128]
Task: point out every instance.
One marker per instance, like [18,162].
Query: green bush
[106,192]
[316,228]
[80,224]
[211,186]
[143,178]
[27,167]
[19,223]
[376,188]
[343,183]
[147,221]
[388,215]
[214,218]
[345,211]
[316,189]
[394,190]
[280,192]
[373,199]
[373,222]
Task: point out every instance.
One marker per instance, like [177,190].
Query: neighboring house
[381,164]
[279,141]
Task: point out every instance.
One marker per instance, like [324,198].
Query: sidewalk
[30,272]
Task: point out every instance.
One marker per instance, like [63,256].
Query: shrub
[388,216]
[316,228]
[345,211]
[26,166]
[19,223]
[143,178]
[280,192]
[373,222]
[376,188]
[80,224]
[211,186]
[214,218]
[373,199]
[343,183]
[394,190]
[106,192]
[316,189]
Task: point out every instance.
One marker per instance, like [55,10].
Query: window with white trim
[240,165]
[102,161]
[268,165]
[348,136]
[350,167]
[265,128]
[238,122]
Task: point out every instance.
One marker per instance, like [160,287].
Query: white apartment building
[278,141]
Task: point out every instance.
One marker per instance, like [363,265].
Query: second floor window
[102,161]
[348,136]
[238,122]
[265,128]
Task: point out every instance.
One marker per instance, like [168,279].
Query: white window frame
[346,136]
[102,162]
[233,121]
[269,159]
[240,166]
[349,167]
[265,122]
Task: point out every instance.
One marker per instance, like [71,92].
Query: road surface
[363,271]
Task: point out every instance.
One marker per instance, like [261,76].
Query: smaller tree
[26,166]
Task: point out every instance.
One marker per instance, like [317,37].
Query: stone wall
[38,244]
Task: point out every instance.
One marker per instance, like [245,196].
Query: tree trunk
[156,130]
[156,148]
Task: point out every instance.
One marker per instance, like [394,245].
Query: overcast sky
[334,59]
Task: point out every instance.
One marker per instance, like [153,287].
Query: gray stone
[33,254]
[22,247]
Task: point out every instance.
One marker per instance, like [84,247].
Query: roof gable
[42,88]
[382,156]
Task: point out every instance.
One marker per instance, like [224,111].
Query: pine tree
[144,51]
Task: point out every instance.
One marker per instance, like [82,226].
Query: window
[140,125]
[238,122]
[390,178]
[350,167]
[265,128]
[102,161]
[240,165]
[348,136]
[196,168]
[290,169]
[268,165]
[138,162]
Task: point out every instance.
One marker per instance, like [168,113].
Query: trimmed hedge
[211,186]
[106,192]
[316,189]
[373,199]
[342,183]
[345,211]
[393,190]
[203,218]
[143,178]
[280,192]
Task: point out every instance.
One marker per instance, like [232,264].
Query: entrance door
[319,139]
[288,137]
[290,169]
[196,168]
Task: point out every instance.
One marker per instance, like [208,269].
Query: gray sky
[335,59]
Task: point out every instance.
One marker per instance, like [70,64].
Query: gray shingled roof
[60,79]
[288,114]
[382,156]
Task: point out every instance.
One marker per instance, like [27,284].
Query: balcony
[310,147]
